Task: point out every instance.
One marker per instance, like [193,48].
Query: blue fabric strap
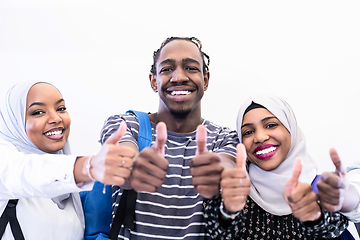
[145,132]
[98,206]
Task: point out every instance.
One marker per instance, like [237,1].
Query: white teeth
[180,93]
[54,133]
[266,151]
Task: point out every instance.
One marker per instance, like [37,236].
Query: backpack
[97,206]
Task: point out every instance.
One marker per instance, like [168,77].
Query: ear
[206,80]
[153,83]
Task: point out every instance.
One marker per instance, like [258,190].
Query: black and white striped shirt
[175,210]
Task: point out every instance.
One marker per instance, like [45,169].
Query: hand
[333,186]
[149,170]
[235,184]
[300,197]
[205,167]
[112,164]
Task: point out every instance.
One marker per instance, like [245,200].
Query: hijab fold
[267,186]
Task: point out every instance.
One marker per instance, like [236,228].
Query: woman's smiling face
[266,140]
[47,123]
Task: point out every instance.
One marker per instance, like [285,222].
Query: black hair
[194,40]
[252,106]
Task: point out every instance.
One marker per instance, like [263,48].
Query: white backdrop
[99,53]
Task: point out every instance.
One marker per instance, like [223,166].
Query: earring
[254,139]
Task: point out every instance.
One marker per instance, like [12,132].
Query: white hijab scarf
[12,127]
[12,119]
[267,186]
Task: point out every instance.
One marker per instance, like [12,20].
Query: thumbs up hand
[333,185]
[235,184]
[300,197]
[205,167]
[150,166]
[112,164]
[292,183]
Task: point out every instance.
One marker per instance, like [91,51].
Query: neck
[175,124]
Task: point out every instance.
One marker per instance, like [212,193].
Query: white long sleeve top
[49,205]
[353,176]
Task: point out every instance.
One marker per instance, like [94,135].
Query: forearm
[31,175]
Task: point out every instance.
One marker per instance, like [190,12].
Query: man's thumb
[161,137]
[117,135]
[201,140]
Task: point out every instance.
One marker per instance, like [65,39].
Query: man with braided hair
[184,165]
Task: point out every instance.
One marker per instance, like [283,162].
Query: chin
[180,113]
[53,149]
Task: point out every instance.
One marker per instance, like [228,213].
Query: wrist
[225,213]
[88,168]
[82,169]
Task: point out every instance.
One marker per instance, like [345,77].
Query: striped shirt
[175,210]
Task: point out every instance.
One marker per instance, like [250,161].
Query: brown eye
[191,69]
[246,133]
[62,109]
[271,125]
[165,70]
[37,112]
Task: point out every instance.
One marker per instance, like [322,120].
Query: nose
[179,75]
[260,136]
[54,118]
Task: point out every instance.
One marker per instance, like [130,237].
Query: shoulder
[217,129]
[113,122]
[222,137]
[118,118]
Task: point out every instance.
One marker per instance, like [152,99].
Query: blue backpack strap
[314,184]
[98,206]
[145,132]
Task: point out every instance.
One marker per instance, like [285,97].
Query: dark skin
[180,83]
[300,197]
[335,193]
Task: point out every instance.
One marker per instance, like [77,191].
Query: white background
[99,53]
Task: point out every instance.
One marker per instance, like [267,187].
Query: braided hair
[194,40]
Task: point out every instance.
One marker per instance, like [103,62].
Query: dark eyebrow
[268,118]
[190,60]
[247,124]
[185,60]
[167,61]
[263,120]
[43,104]
[36,103]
